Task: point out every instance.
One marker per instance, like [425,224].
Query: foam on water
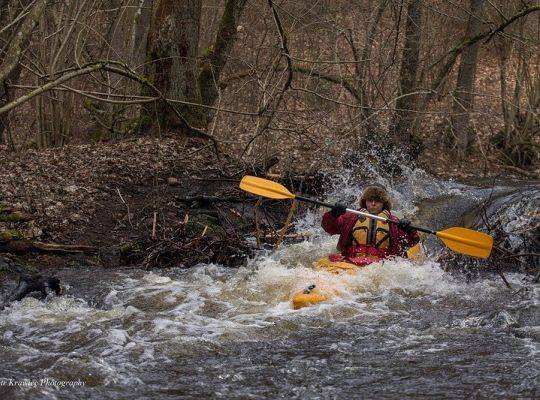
[209,301]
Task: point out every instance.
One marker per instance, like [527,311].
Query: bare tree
[13,44]
[277,72]
[175,67]
[463,94]
[363,63]
[407,99]
[214,58]
[173,41]
[4,17]
[519,107]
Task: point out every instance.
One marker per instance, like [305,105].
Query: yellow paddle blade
[414,251]
[265,188]
[467,241]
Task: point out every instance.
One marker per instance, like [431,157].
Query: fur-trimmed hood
[373,192]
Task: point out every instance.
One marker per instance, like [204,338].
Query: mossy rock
[12,234]
[10,217]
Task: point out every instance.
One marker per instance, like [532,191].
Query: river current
[401,329]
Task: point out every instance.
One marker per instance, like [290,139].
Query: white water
[399,329]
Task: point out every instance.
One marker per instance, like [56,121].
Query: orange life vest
[371,232]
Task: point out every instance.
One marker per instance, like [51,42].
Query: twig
[286,86]
[215,179]
[120,69]
[154,226]
[283,230]
[520,255]
[199,149]
[504,280]
[523,13]
[257,227]
[127,206]
[207,200]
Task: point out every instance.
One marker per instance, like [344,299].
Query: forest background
[121,92]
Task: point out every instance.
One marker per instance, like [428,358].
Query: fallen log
[27,246]
[204,201]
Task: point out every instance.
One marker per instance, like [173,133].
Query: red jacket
[400,241]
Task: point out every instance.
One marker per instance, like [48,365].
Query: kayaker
[363,239]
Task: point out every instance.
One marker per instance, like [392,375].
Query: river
[401,329]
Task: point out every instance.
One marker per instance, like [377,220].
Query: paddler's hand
[338,209]
[405,225]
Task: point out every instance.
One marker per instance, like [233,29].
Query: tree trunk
[406,104]
[214,58]
[4,36]
[172,45]
[463,94]
[12,45]
[174,67]
[363,65]
[3,94]
[139,32]
[15,48]
[504,51]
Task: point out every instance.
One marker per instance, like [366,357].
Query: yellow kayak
[321,292]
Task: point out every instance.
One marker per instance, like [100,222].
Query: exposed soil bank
[142,201]
[145,202]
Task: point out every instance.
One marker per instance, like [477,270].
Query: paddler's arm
[413,238]
[333,219]
[401,241]
[410,236]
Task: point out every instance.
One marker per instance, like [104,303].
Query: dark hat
[376,192]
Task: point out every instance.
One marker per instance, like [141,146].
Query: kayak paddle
[461,240]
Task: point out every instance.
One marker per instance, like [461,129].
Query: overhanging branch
[110,66]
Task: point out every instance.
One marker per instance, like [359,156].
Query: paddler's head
[375,199]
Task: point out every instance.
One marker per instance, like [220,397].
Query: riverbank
[141,202]
[148,202]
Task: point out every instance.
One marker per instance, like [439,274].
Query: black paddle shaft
[320,203]
[308,200]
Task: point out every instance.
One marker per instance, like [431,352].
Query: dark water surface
[401,331]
